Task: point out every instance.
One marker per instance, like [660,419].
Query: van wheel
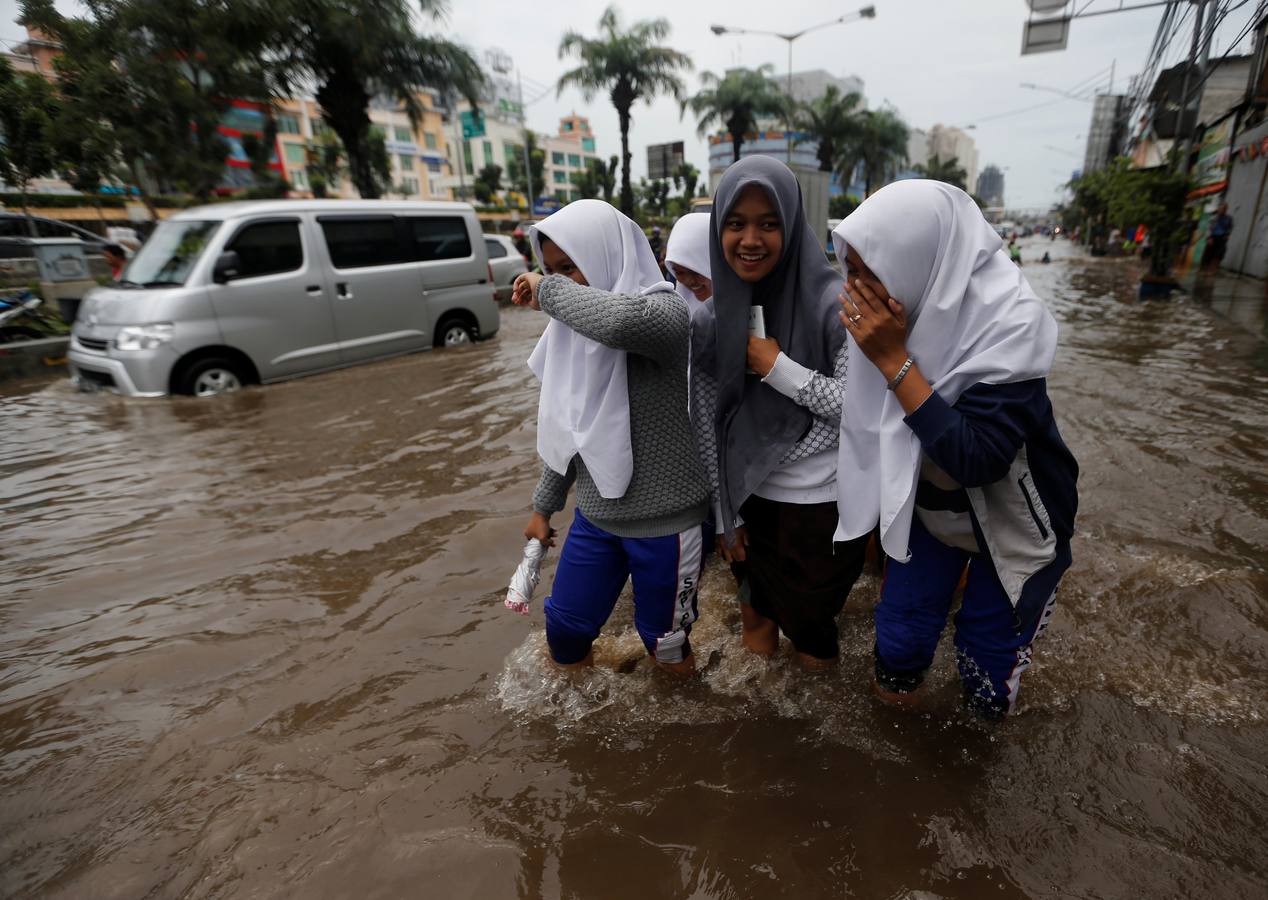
[453,333]
[209,377]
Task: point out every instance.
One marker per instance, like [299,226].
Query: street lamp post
[866,12]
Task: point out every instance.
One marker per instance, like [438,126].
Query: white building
[946,142]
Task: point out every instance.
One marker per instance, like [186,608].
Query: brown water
[255,647]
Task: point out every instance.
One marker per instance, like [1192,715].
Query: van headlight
[143,337]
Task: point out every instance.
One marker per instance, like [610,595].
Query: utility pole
[528,168]
[459,143]
[1182,163]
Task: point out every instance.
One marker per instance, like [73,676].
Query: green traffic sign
[472,124]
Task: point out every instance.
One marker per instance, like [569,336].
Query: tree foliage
[834,121]
[352,52]
[488,182]
[28,109]
[880,146]
[537,165]
[946,170]
[629,63]
[735,102]
[1124,197]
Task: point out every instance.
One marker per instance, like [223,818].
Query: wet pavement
[255,647]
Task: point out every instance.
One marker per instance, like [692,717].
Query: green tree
[842,205]
[324,163]
[833,120]
[352,52]
[162,74]
[607,177]
[1123,196]
[537,164]
[946,170]
[880,145]
[630,65]
[735,102]
[685,177]
[488,182]
[588,181]
[28,109]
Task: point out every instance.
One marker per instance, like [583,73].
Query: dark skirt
[799,577]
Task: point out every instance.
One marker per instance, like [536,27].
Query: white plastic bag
[526,576]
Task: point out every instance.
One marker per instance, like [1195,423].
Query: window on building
[299,179]
[296,154]
[267,248]
[406,161]
[429,140]
[495,248]
[320,128]
[510,151]
[440,237]
[587,144]
[567,126]
[488,153]
[403,134]
[288,124]
[409,187]
[357,242]
[433,165]
[560,176]
[557,158]
[574,160]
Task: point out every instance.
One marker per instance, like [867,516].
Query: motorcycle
[23,319]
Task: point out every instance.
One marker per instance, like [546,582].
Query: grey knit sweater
[667,492]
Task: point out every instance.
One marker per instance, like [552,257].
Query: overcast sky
[957,62]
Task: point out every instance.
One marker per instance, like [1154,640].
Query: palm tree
[628,64]
[736,101]
[948,170]
[353,52]
[833,120]
[880,145]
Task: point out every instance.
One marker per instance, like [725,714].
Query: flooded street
[255,647]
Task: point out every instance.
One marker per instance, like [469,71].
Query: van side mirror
[226,268]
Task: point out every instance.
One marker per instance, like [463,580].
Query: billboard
[662,159]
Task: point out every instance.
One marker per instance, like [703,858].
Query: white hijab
[972,318]
[689,247]
[584,406]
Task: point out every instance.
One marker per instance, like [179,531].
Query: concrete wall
[1247,199]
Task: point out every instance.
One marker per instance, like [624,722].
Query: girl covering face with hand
[951,439]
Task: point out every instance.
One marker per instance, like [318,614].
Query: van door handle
[313,290]
[342,290]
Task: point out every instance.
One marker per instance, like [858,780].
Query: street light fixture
[1052,90]
[866,12]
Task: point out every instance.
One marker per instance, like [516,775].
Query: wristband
[902,373]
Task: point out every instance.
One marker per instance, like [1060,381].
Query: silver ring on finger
[854,320]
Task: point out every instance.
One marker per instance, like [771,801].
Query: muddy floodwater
[255,647]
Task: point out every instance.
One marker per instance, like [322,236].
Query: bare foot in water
[759,634]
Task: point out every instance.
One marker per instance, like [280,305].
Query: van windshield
[167,258]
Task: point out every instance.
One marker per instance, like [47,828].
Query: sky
[955,62]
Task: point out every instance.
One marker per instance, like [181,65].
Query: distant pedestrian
[1014,251]
[1217,238]
[116,258]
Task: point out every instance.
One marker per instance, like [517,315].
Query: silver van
[259,291]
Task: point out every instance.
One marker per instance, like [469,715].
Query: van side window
[495,248]
[355,243]
[267,248]
[440,237]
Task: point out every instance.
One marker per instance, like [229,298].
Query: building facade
[990,186]
[1105,133]
[947,142]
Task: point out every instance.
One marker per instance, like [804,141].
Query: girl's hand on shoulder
[878,323]
[524,290]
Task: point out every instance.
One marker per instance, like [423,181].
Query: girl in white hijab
[612,418]
[687,256]
[949,439]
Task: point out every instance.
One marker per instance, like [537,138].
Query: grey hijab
[756,424]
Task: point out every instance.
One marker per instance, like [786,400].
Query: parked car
[14,225]
[260,291]
[505,262]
